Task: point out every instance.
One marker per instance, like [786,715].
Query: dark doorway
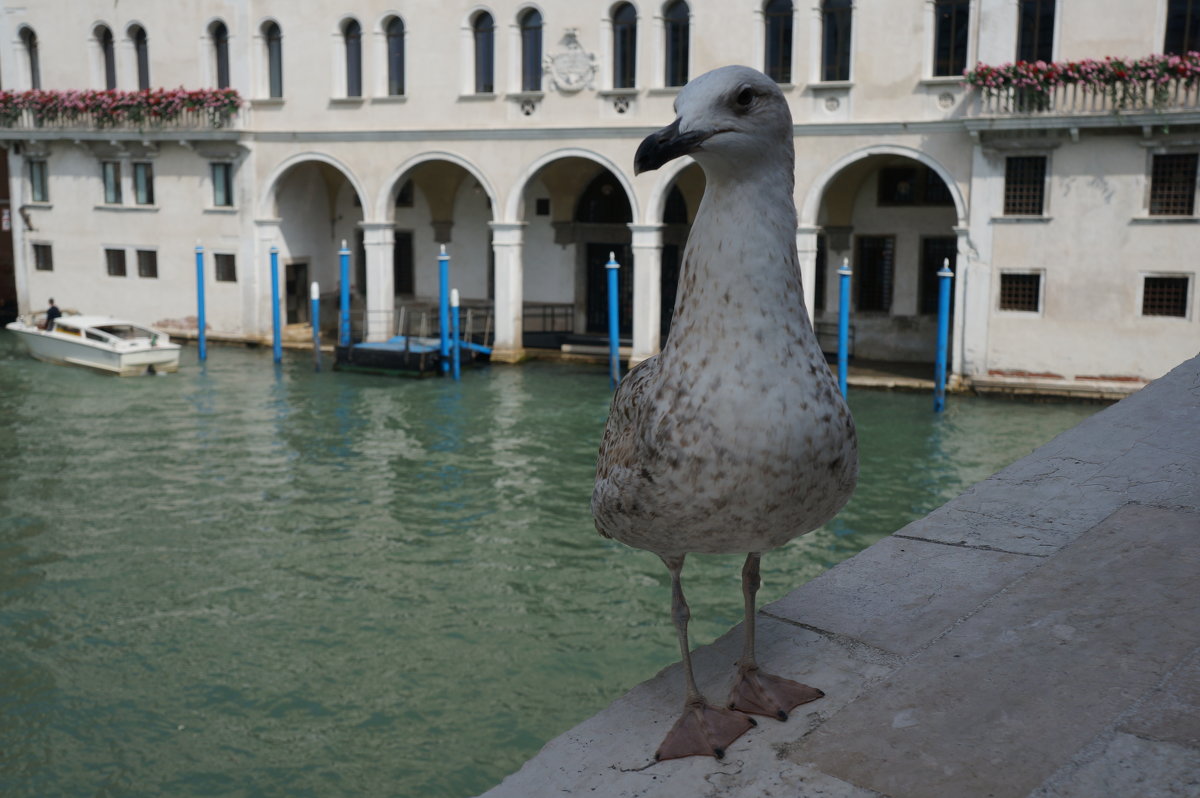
[935,251]
[597,287]
[296,293]
[670,287]
[403,264]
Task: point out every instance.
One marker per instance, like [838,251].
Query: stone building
[506,131]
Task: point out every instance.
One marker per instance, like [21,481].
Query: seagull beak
[666,145]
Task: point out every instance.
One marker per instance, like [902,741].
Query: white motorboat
[114,346]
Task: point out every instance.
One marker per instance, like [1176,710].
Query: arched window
[273,37]
[624,25]
[531,50]
[108,55]
[395,56]
[141,49]
[484,28]
[676,23]
[835,39]
[29,40]
[352,37]
[220,42]
[778,65]
[1183,27]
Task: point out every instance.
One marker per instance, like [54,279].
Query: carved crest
[572,68]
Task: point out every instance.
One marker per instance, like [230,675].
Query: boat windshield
[125,331]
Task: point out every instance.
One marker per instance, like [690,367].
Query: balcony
[197,113]
[1122,91]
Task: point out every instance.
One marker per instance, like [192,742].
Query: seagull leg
[702,730]
[755,691]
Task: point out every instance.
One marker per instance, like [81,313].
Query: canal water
[250,580]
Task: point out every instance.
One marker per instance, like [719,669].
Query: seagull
[734,438]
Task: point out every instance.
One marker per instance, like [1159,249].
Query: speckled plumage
[734,438]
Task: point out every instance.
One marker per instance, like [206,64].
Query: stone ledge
[1037,636]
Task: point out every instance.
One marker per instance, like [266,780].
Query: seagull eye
[745,97]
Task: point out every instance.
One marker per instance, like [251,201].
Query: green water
[240,580]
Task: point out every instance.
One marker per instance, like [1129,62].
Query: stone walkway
[1037,636]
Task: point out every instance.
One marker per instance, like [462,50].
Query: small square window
[115,260]
[226,268]
[1165,296]
[1173,184]
[43,258]
[143,183]
[112,182]
[37,179]
[147,263]
[542,206]
[1021,291]
[1024,185]
[222,181]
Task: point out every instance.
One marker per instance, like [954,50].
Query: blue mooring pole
[315,315]
[276,331]
[444,307]
[457,350]
[344,312]
[201,322]
[943,337]
[614,325]
[843,323]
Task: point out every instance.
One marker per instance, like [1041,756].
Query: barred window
[1183,26]
[352,42]
[531,50]
[226,268]
[395,49]
[874,270]
[43,258]
[1021,291]
[1173,184]
[147,263]
[1165,296]
[1024,185]
[114,259]
[484,30]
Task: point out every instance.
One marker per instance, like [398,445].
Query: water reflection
[245,579]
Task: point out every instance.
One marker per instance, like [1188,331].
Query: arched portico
[895,214]
[310,204]
[567,209]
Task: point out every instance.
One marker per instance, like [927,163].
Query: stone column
[378,241]
[507,246]
[269,234]
[806,251]
[647,291]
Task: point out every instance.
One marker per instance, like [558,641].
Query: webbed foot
[765,694]
[703,730]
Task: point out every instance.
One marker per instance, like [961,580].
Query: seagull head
[727,117]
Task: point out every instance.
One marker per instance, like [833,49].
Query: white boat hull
[125,358]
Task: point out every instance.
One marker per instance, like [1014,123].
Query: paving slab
[1126,766]
[900,594]
[980,713]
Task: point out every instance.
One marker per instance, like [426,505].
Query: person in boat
[51,314]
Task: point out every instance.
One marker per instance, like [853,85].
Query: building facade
[505,132]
